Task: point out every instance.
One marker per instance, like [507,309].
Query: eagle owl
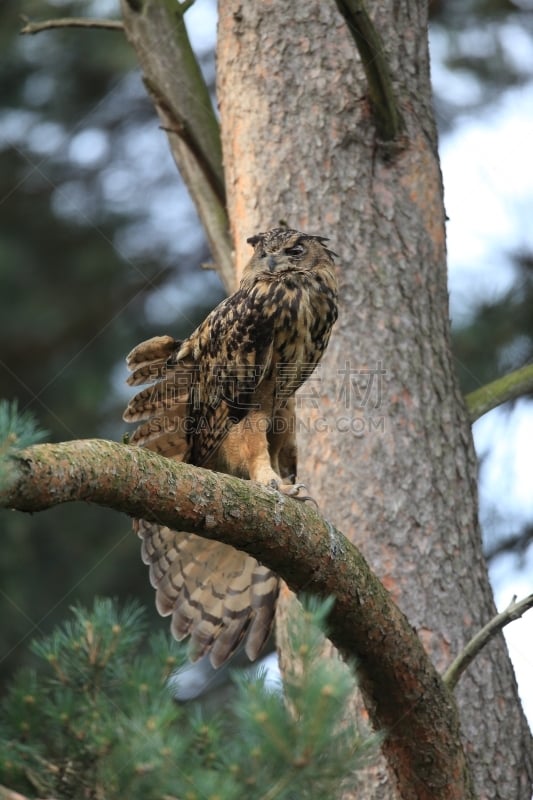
[224,399]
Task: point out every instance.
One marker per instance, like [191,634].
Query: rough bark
[395,470]
[405,695]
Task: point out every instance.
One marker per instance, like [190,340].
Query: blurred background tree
[100,247]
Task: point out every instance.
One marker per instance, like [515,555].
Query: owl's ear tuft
[253,240]
[322,240]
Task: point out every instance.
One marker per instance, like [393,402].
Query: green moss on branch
[512,386]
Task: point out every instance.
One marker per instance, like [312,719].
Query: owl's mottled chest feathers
[286,320]
[303,309]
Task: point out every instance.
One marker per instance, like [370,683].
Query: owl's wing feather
[145,359]
[232,351]
[163,407]
[203,385]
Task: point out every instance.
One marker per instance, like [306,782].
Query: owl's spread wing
[215,594]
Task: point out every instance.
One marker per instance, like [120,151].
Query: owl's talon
[293,490]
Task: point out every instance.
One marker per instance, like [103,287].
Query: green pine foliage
[18,429]
[302,746]
[96,720]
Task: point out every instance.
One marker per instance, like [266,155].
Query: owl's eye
[296,250]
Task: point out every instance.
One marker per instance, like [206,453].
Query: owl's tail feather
[216,595]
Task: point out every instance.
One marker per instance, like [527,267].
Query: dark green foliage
[96,720]
[17,430]
[95,699]
[314,749]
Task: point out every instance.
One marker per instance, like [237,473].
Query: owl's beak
[272,263]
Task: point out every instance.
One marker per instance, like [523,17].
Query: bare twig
[406,697]
[516,543]
[387,114]
[513,611]
[31,28]
[492,395]
[10,794]
[185,5]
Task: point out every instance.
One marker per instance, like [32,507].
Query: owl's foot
[292,490]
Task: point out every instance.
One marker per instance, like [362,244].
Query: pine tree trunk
[388,452]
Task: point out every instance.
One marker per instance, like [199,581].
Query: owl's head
[282,250]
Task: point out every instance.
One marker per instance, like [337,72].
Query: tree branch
[492,395]
[516,543]
[10,794]
[31,28]
[389,122]
[180,126]
[157,32]
[513,611]
[405,696]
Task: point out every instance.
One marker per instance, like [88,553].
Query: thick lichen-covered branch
[406,697]
[510,387]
